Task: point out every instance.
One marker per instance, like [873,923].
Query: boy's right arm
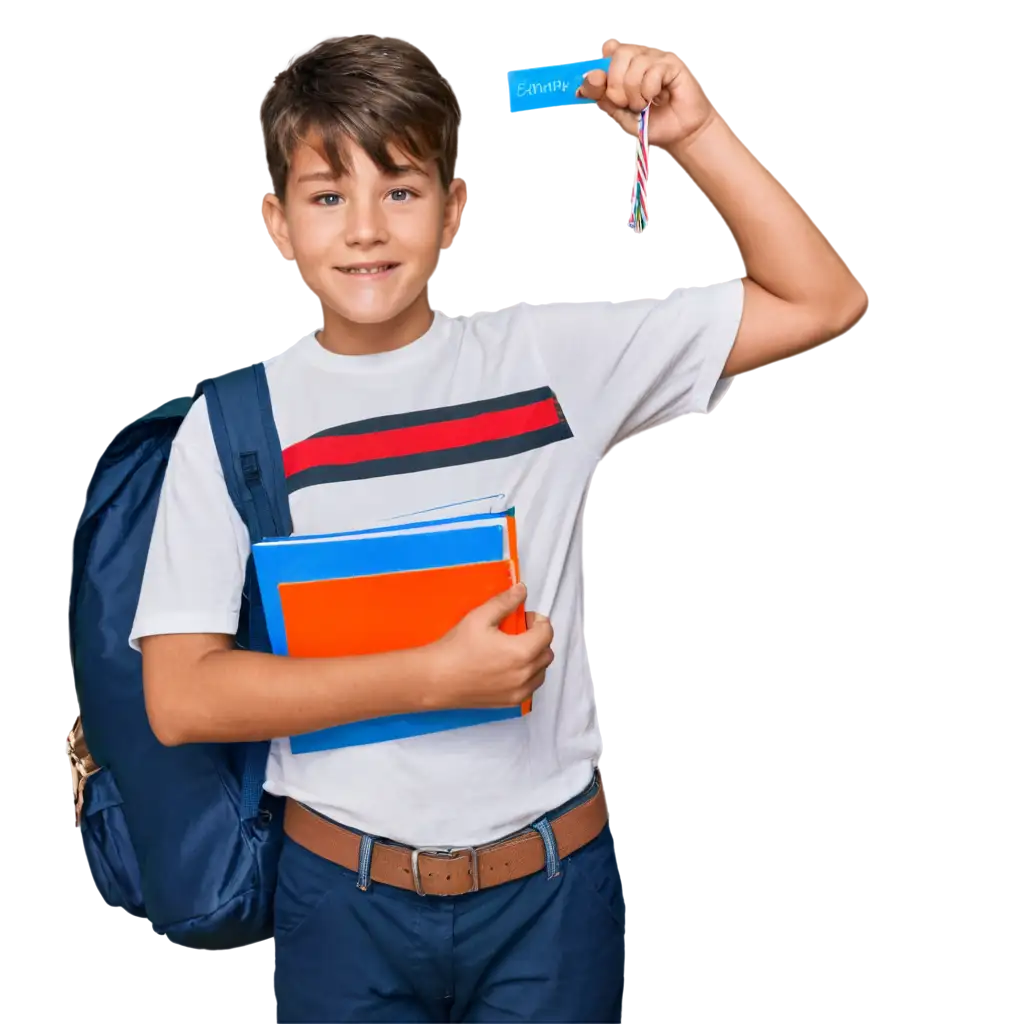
[200,688]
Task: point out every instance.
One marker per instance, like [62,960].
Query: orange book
[392,611]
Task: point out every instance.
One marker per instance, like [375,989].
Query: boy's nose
[365,222]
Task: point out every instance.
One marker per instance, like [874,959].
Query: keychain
[547,92]
[641,165]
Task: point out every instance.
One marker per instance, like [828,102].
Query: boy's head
[361,136]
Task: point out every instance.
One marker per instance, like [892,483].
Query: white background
[835,614]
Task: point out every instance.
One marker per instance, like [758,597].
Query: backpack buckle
[250,466]
[82,766]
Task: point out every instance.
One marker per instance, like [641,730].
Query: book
[387,588]
[488,536]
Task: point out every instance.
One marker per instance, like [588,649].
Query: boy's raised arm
[798,292]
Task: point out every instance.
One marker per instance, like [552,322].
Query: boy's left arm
[798,293]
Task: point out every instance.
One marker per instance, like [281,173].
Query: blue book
[390,549]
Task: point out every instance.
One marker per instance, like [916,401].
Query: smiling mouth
[378,268]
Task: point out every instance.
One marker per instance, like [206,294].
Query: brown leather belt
[434,872]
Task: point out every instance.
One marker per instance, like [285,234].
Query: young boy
[392,409]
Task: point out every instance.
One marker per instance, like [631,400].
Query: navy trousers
[548,947]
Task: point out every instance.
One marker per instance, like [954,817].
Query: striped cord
[638,214]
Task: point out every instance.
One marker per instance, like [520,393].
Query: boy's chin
[375,309]
[377,313]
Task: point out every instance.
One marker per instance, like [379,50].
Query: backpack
[183,836]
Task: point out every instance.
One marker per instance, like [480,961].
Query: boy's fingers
[622,115]
[593,86]
[540,623]
[544,659]
[624,57]
[537,637]
[532,643]
[535,682]
[504,604]
[643,71]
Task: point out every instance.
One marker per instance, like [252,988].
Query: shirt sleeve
[618,368]
[195,569]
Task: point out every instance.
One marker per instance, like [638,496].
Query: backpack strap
[244,432]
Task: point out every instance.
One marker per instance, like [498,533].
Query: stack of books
[384,589]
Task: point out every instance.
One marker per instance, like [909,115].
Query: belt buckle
[444,851]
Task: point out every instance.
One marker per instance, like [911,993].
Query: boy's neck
[350,338]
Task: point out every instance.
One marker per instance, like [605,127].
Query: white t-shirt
[482,412]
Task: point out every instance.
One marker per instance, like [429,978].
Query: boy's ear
[277,225]
[453,207]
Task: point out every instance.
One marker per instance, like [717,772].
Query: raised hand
[640,75]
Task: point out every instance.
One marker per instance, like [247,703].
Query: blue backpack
[184,836]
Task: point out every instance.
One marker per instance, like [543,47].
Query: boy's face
[328,226]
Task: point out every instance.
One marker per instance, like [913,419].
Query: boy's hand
[639,75]
[476,665]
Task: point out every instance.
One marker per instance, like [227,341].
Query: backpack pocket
[100,816]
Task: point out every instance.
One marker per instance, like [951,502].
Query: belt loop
[365,856]
[551,859]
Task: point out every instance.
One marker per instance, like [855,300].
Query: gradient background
[842,602]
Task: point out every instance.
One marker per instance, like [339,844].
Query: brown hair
[371,90]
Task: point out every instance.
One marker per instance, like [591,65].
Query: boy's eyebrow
[329,175]
[317,176]
[409,169]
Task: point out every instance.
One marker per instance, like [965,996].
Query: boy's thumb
[503,604]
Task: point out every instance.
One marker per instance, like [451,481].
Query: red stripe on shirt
[429,437]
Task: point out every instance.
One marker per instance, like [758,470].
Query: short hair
[375,91]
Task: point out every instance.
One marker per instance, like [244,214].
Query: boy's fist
[638,76]
[476,665]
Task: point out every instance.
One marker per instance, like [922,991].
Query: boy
[392,409]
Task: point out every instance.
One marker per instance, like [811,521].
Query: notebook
[382,589]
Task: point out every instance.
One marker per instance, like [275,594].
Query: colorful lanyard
[641,164]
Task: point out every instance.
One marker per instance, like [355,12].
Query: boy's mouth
[368,269]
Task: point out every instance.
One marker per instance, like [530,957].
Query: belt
[435,871]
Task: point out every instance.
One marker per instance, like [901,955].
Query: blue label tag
[553,86]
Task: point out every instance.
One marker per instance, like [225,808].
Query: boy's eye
[403,191]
